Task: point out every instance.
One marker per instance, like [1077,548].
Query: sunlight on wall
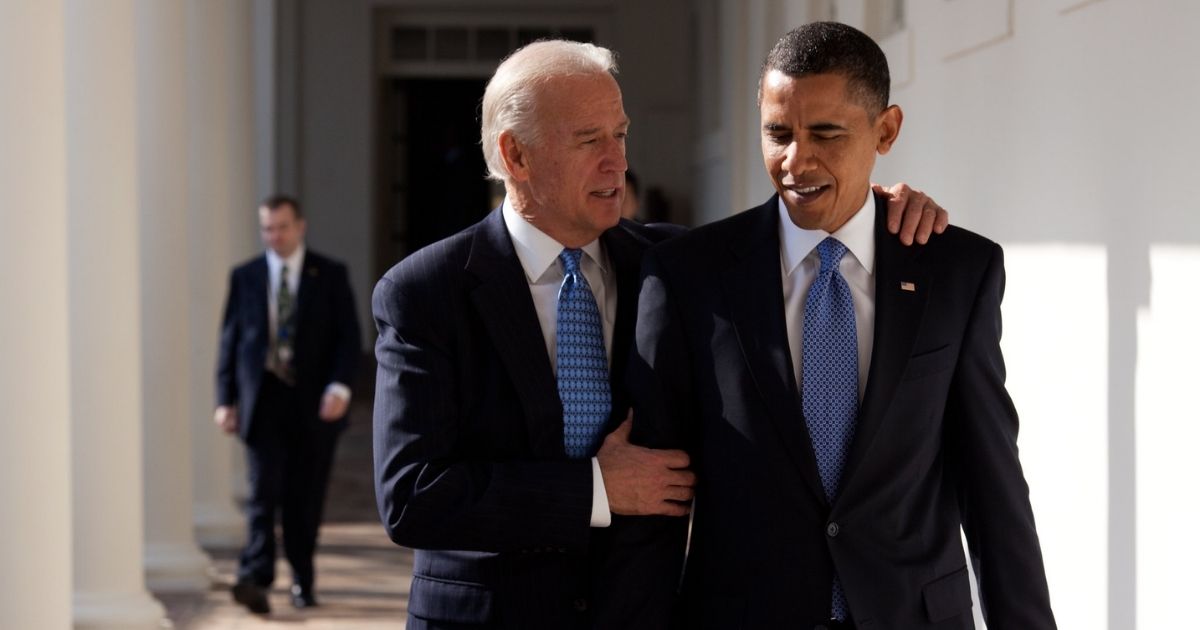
[1168,432]
[1056,349]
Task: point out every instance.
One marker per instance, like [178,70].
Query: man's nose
[614,158]
[798,158]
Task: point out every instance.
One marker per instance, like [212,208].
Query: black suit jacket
[469,462]
[935,447]
[326,345]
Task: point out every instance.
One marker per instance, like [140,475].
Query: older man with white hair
[501,450]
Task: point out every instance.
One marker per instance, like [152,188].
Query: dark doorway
[432,171]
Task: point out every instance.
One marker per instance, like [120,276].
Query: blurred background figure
[289,345]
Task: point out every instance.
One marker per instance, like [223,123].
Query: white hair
[509,102]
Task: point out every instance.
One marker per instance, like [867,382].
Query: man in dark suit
[842,397]
[289,344]
[501,353]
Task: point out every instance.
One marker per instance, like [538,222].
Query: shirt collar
[858,235]
[538,252]
[293,262]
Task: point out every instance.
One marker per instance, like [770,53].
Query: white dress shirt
[294,262]
[538,254]
[801,262]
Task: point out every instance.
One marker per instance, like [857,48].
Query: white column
[174,563]
[35,583]
[105,365]
[221,226]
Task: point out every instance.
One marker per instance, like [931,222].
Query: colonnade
[127,187]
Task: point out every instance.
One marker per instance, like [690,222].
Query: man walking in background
[288,349]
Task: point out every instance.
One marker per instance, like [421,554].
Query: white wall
[1070,141]
[1064,130]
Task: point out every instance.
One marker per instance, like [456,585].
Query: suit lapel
[753,287]
[898,313]
[505,307]
[260,279]
[310,277]
[625,255]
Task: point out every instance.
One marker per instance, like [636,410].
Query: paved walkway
[362,578]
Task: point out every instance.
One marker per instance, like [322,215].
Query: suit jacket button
[580,604]
[832,530]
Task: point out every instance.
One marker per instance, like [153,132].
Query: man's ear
[514,155]
[887,124]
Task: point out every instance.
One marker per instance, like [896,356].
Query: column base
[219,526]
[177,568]
[117,611]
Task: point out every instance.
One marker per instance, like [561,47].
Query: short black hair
[276,201]
[834,48]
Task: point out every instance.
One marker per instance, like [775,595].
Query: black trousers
[288,458]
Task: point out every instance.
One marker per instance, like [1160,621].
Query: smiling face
[819,146]
[569,181]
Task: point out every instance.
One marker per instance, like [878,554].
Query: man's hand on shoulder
[644,481]
[912,214]
[226,417]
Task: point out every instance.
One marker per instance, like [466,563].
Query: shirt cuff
[341,390]
[601,517]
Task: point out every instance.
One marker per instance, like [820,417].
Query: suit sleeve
[429,496]
[648,551]
[349,337]
[993,494]
[227,389]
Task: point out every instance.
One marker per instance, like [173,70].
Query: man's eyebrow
[826,126]
[591,131]
[774,126]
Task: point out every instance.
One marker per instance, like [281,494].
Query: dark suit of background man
[842,397]
[490,415]
[289,344]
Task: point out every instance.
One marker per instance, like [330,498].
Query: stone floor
[362,578]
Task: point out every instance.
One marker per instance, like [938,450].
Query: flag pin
[908,286]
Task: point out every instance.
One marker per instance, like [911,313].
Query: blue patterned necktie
[830,382]
[582,362]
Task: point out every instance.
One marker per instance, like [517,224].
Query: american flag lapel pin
[907,286]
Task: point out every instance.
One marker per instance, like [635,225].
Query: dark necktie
[582,362]
[830,380]
[284,324]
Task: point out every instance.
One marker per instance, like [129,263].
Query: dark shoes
[252,596]
[302,597]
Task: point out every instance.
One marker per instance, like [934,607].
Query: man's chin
[806,217]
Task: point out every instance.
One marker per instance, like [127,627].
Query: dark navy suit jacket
[327,342]
[470,468]
[935,447]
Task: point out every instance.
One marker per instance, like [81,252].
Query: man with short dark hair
[842,397]
[289,345]
[501,450]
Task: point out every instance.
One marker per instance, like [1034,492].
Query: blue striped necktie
[830,380]
[582,362]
